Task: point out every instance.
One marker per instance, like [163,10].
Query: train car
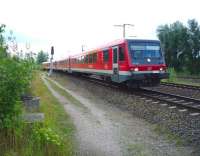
[45,65]
[133,62]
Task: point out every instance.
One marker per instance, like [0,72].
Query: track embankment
[106,118]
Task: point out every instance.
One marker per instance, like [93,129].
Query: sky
[69,24]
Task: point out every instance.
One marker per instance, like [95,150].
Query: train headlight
[136,69]
[161,69]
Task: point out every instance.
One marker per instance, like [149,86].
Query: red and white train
[134,62]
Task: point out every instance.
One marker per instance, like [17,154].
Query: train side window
[86,59]
[105,56]
[90,58]
[121,54]
[94,57]
[79,60]
[82,59]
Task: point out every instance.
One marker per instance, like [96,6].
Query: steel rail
[185,86]
[172,99]
[186,102]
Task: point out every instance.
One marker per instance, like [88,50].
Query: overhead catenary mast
[124,28]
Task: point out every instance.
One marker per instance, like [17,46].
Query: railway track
[183,102]
[184,86]
[172,99]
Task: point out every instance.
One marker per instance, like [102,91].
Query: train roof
[114,43]
[117,42]
[45,62]
[143,40]
[110,44]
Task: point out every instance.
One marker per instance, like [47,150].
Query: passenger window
[121,54]
[94,57]
[105,56]
[86,59]
[90,58]
[82,59]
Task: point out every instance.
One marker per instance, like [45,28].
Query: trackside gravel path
[104,130]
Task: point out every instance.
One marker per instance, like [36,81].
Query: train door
[69,69]
[115,64]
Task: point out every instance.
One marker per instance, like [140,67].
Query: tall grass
[52,137]
[172,75]
[57,120]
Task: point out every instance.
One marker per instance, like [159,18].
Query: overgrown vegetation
[161,130]
[15,78]
[58,128]
[181,45]
[18,138]
[172,75]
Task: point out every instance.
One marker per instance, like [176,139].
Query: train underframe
[147,79]
[137,80]
[132,81]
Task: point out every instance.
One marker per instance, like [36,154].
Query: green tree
[172,39]
[42,57]
[3,48]
[181,45]
[193,52]
[15,77]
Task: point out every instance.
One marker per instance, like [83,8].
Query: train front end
[146,62]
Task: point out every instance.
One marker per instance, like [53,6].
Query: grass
[174,78]
[161,130]
[64,93]
[55,115]
[138,150]
[52,137]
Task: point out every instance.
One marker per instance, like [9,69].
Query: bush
[15,78]
[172,75]
[47,136]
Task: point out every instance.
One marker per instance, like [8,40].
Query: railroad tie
[172,107]
[178,101]
[164,104]
[182,110]
[197,106]
[148,100]
[188,103]
[194,114]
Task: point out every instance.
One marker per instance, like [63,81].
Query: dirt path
[106,130]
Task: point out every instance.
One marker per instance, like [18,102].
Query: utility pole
[82,48]
[124,28]
[51,61]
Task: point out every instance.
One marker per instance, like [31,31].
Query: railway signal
[51,61]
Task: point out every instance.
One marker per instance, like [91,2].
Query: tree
[3,48]
[172,39]
[193,52]
[42,57]
[15,77]
[181,45]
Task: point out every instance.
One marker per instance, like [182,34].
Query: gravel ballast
[164,117]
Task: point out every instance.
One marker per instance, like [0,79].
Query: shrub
[15,76]
[172,75]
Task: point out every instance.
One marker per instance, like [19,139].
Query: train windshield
[145,53]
